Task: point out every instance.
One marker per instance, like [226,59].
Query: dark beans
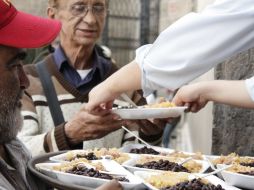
[248,164]
[195,184]
[82,170]
[89,156]
[247,173]
[163,165]
[144,150]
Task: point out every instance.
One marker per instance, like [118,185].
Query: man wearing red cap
[19,30]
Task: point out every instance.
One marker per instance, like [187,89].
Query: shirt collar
[61,59]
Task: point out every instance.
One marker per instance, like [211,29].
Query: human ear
[51,12]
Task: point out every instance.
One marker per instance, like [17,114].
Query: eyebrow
[19,56]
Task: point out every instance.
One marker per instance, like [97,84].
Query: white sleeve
[196,43]
[250,87]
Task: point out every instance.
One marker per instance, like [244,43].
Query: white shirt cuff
[140,57]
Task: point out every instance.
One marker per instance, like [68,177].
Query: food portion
[165,104]
[195,184]
[240,164]
[96,154]
[144,150]
[196,156]
[168,164]
[246,170]
[163,165]
[167,179]
[63,167]
[234,158]
[79,169]
[88,156]
[179,181]
[82,169]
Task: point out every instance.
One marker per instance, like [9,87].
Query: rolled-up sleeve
[250,87]
[196,43]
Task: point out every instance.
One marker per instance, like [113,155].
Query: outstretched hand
[101,98]
[190,96]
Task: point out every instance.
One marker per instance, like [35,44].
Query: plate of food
[93,154]
[230,159]
[143,149]
[160,110]
[233,158]
[176,181]
[91,174]
[155,150]
[164,163]
[239,175]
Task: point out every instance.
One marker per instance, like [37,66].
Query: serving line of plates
[137,176]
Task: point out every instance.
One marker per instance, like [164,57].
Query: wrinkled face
[82,20]
[12,84]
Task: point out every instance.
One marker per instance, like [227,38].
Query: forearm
[227,92]
[128,78]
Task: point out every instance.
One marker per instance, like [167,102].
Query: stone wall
[171,10]
[36,7]
[234,127]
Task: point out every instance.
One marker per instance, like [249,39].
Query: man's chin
[85,41]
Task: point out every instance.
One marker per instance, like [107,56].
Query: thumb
[177,101]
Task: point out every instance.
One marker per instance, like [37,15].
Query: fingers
[150,128]
[177,101]
[112,185]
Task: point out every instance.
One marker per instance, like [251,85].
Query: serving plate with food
[155,150]
[179,180]
[91,174]
[233,158]
[143,149]
[93,154]
[164,163]
[239,175]
[160,110]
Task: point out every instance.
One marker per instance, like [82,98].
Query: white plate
[162,150]
[130,164]
[146,113]
[212,179]
[110,165]
[236,179]
[62,157]
[128,148]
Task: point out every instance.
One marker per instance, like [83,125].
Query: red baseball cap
[22,30]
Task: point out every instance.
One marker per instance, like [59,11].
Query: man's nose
[89,18]
[24,81]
